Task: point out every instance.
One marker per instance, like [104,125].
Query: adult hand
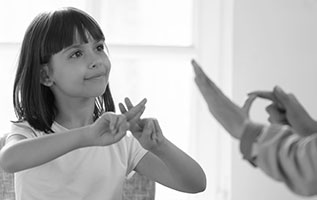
[232,117]
[286,109]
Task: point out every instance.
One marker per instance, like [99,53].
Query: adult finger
[281,96]
[276,116]
[269,96]
[200,74]
[204,83]
[248,103]
[264,94]
[203,87]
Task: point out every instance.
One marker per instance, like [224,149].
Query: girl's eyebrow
[74,46]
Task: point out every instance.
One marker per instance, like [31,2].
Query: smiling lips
[96,76]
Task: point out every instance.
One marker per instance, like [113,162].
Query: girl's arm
[170,166]
[164,163]
[22,153]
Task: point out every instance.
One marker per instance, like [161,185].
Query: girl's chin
[97,92]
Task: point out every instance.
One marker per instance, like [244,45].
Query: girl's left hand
[151,136]
[147,131]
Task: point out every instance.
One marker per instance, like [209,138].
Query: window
[151,44]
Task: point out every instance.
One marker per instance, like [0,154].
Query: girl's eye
[77,54]
[100,47]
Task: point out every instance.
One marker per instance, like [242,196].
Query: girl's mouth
[96,76]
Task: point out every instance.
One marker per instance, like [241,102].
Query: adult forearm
[30,153]
[186,172]
[228,114]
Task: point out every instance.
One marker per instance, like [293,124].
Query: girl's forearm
[29,153]
[186,172]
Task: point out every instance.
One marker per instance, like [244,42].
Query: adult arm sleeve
[285,156]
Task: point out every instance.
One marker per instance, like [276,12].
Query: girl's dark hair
[48,34]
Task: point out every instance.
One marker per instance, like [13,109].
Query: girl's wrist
[84,136]
[161,147]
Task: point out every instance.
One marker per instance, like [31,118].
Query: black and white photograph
[158,100]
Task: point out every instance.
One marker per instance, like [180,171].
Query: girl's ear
[45,76]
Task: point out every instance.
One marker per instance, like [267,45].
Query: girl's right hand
[108,129]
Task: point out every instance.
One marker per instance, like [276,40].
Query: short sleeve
[135,154]
[22,128]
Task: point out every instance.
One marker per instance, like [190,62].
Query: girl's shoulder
[25,129]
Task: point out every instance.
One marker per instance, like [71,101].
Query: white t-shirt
[91,173]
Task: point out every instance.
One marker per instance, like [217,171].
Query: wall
[275,43]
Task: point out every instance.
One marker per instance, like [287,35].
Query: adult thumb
[247,104]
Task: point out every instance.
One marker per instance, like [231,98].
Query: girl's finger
[147,126]
[152,132]
[158,130]
[113,123]
[157,126]
[137,117]
[121,119]
[128,103]
[122,108]
[122,123]
[120,134]
[123,126]
[132,111]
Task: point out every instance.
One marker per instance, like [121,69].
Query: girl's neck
[75,114]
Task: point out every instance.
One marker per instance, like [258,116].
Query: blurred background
[243,45]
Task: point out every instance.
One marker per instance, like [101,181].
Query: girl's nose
[95,60]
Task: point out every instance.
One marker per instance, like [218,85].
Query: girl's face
[80,70]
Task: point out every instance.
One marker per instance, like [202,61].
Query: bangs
[67,27]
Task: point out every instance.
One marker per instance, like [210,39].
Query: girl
[68,143]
